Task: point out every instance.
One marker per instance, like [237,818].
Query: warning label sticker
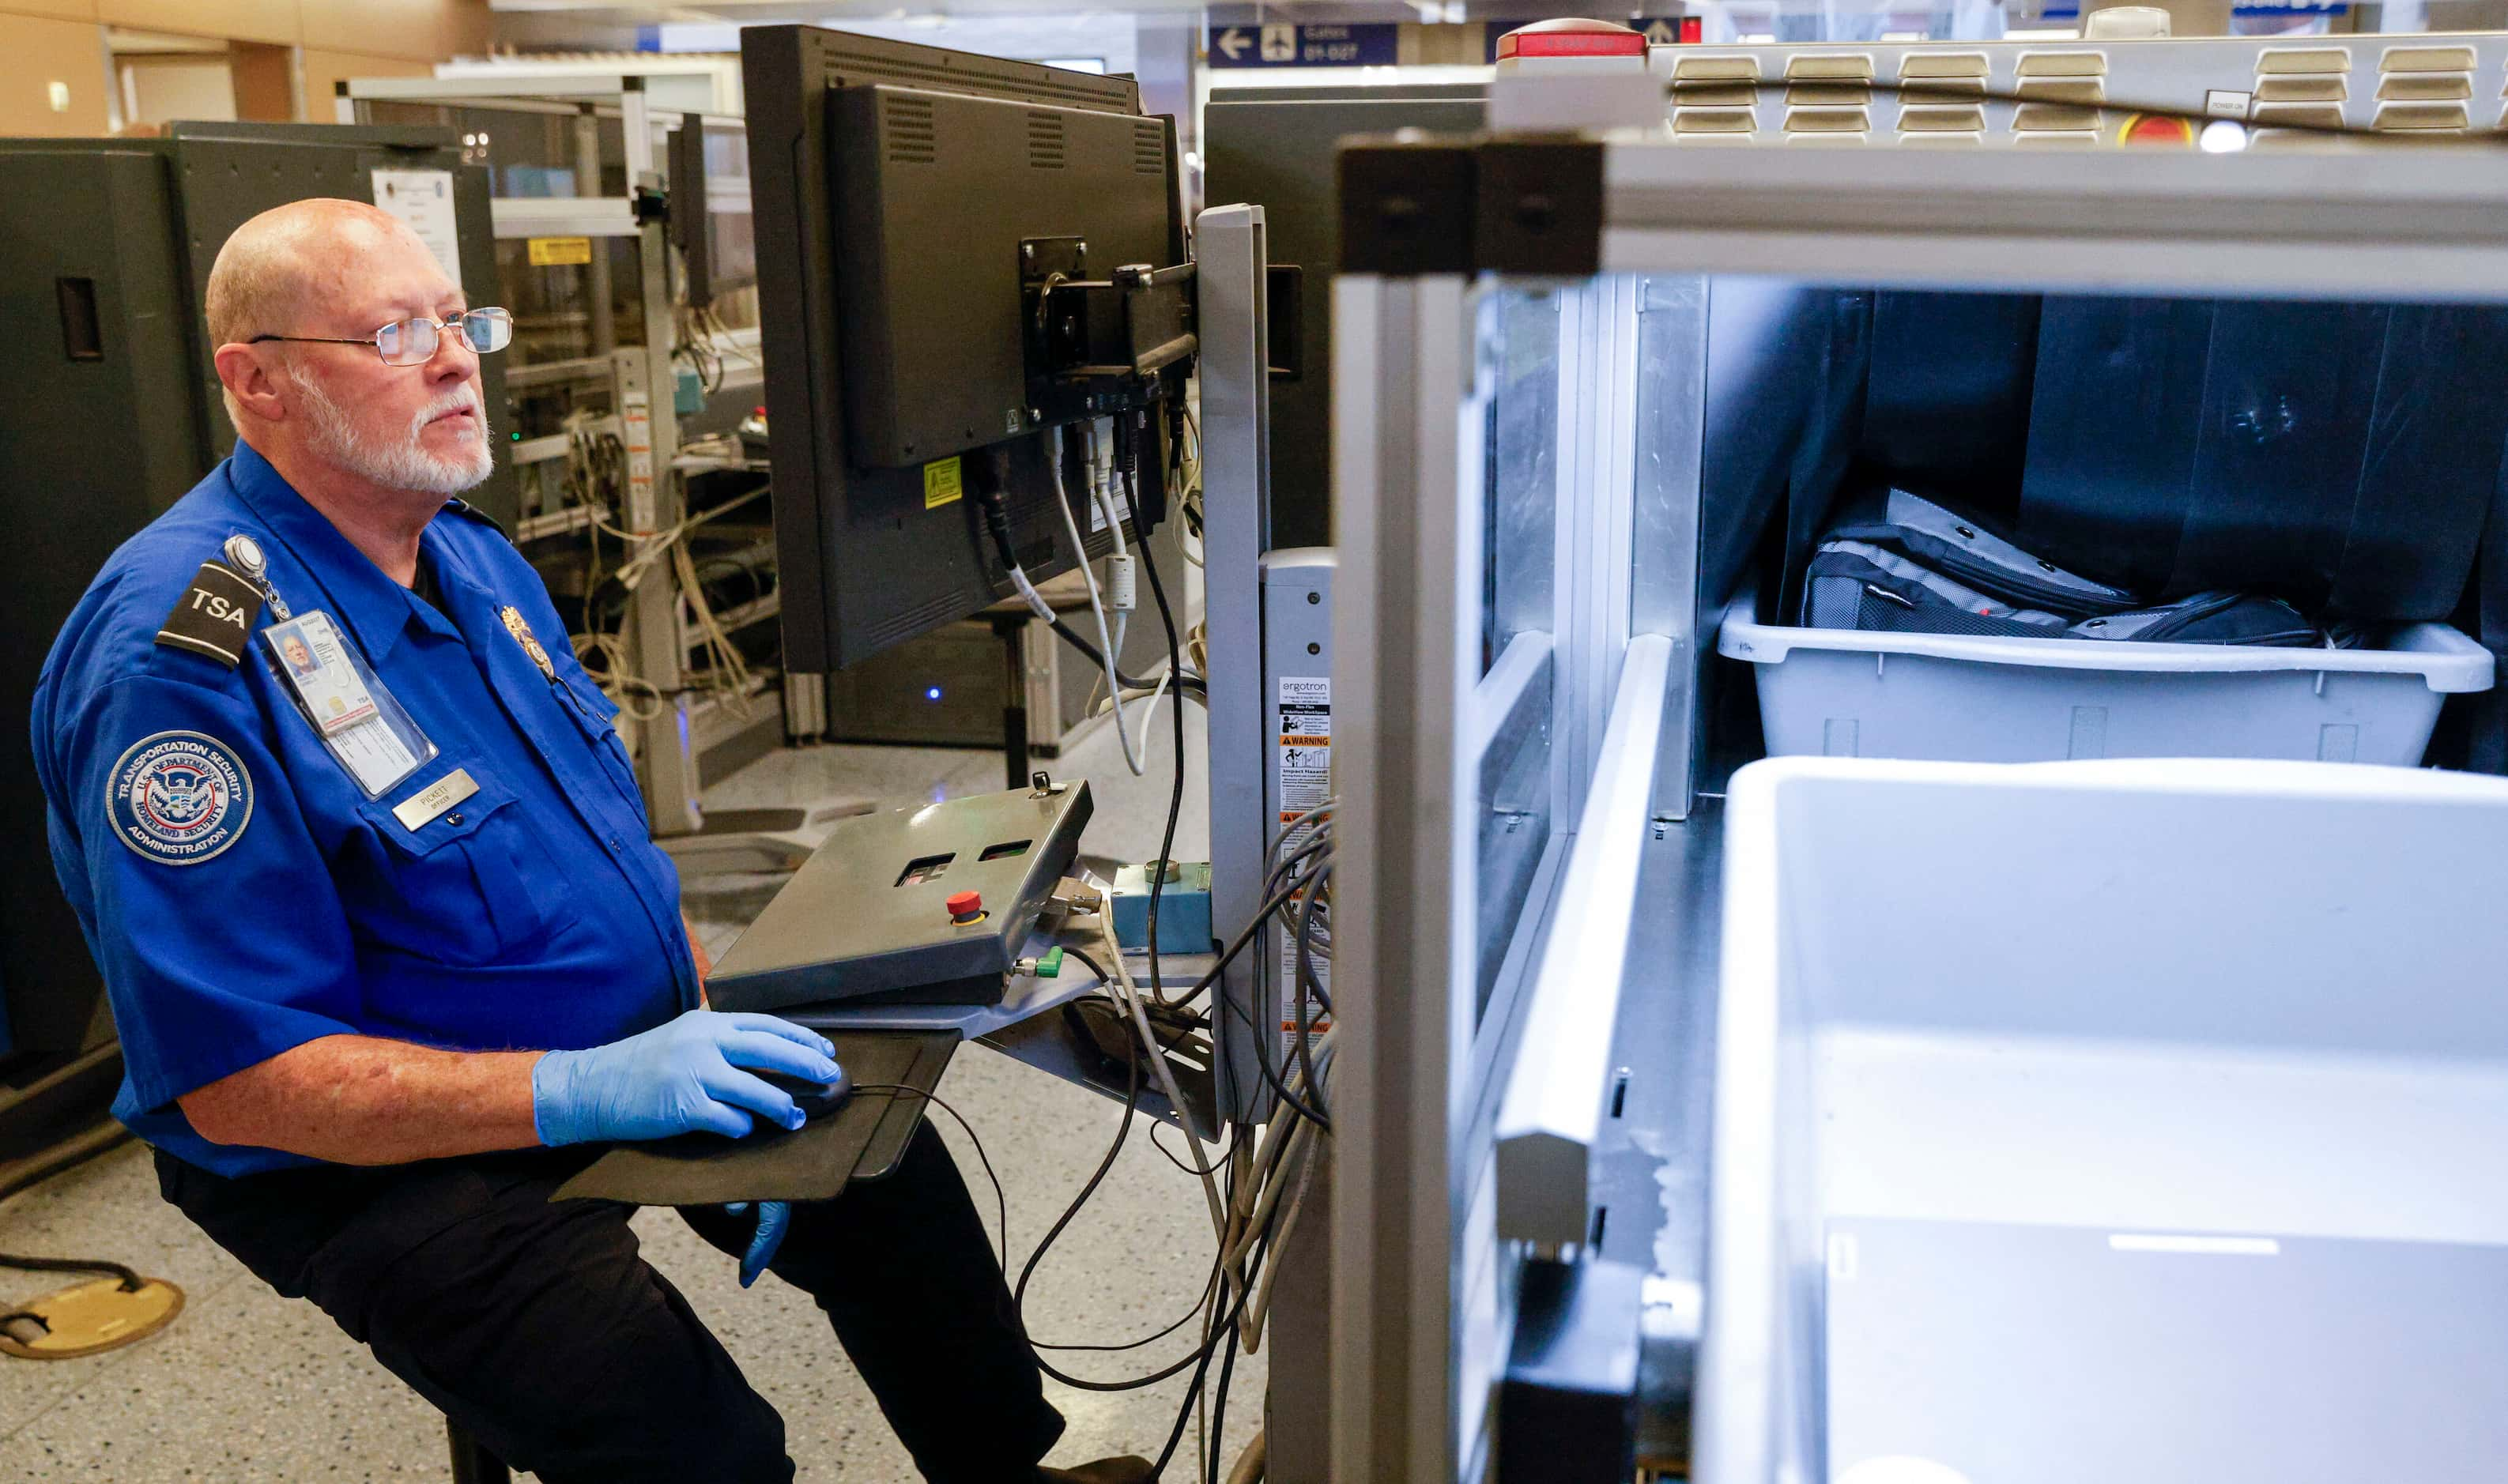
[1305,762]
[1317,1023]
[942,483]
[1306,742]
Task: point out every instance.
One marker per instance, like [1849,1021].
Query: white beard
[403,465]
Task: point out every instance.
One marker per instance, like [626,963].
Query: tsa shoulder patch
[214,616]
[179,798]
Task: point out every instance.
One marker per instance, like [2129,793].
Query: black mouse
[815,1100]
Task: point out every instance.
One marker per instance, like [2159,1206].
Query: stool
[474,1464]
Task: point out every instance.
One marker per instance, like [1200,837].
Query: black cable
[132,1282]
[1097,660]
[1001,1203]
[1219,1408]
[1001,1206]
[1089,963]
[1271,904]
[1124,460]
[1228,1328]
[1208,1283]
[1307,973]
[1217,1159]
[1262,1063]
[1019,1293]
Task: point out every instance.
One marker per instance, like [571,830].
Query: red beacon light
[1570,46]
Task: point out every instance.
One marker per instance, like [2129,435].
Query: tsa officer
[364,866]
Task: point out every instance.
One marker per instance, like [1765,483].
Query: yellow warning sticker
[942,484]
[560,252]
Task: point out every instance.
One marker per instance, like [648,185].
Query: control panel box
[931,905]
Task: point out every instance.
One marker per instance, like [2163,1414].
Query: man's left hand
[774,1219]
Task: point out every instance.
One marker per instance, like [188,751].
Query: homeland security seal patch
[179,797]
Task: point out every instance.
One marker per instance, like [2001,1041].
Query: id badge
[355,715]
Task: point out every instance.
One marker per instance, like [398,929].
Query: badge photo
[179,798]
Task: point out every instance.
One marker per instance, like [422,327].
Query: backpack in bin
[1897,564]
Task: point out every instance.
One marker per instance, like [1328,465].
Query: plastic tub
[2191,996]
[1843,692]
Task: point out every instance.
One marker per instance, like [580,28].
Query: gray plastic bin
[1842,693]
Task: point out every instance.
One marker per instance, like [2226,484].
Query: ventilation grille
[1933,85]
[2426,90]
[2063,93]
[1715,96]
[1046,149]
[1828,93]
[912,136]
[2302,86]
[1149,147]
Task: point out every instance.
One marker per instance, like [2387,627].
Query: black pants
[537,1327]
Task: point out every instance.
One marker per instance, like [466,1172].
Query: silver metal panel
[1297,645]
[2319,224]
[1667,398]
[1552,1112]
[1229,254]
[1404,640]
[1595,524]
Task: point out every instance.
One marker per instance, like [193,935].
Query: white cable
[1135,757]
[1130,997]
[1027,589]
[1260,1304]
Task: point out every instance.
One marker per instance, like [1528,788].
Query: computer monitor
[709,211]
[914,208]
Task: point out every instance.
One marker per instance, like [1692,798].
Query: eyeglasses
[414,341]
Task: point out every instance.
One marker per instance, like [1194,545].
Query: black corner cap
[1462,205]
[1406,206]
[1568,1404]
[1540,206]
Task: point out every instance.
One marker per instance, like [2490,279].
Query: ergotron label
[942,483]
[1305,758]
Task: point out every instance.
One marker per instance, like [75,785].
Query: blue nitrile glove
[676,1078]
[774,1219]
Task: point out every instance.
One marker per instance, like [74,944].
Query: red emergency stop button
[967,907]
[2154,129]
[1570,36]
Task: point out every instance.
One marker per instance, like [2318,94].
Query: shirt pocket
[596,716]
[462,888]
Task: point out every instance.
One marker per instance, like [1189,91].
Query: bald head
[293,258]
[294,303]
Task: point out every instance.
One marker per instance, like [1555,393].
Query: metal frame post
[1405,639]
[654,632]
[1229,256]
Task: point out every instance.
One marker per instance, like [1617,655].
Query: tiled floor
[246,1386]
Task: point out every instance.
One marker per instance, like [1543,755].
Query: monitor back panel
[871,553]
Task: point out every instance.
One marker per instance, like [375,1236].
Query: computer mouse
[815,1100]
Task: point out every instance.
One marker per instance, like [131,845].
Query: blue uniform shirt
[266,901]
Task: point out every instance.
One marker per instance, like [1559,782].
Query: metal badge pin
[243,553]
[516,626]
